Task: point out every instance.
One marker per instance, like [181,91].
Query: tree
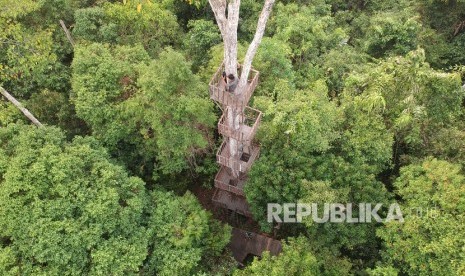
[431,240]
[417,100]
[67,209]
[147,112]
[389,33]
[20,107]
[128,23]
[310,31]
[273,60]
[201,37]
[294,260]
[291,133]
[180,242]
[310,158]
[445,32]
[26,53]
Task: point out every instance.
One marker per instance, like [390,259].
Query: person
[225,81]
[232,83]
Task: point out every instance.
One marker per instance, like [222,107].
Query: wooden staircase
[232,176]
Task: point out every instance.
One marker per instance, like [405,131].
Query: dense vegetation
[363,102]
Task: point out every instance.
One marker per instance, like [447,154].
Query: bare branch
[265,14]
[68,35]
[20,107]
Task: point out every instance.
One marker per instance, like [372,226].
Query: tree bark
[228,24]
[252,50]
[231,38]
[20,107]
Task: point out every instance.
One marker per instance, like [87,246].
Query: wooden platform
[250,122]
[229,200]
[225,181]
[219,94]
[250,153]
[245,243]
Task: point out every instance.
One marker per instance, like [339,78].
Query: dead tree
[67,33]
[20,107]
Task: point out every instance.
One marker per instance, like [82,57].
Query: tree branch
[20,107]
[247,65]
[219,10]
[68,35]
[230,41]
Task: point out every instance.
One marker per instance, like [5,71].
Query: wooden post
[20,107]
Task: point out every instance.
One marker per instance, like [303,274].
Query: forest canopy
[362,101]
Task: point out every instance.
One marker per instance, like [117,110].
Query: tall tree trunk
[230,39]
[252,50]
[228,24]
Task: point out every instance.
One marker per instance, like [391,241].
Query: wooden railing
[230,188]
[222,181]
[226,203]
[223,157]
[248,126]
[233,99]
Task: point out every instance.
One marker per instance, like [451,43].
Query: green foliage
[348,98]
[294,260]
[156,107]
[26,54]
[178,112]
[365,138]
[417,99]
[445,37]
[9,114]
[273,60]
[337,162]
[383,271]
[103,78]
[310,32]
[288,125]
[181,241]
[67,209]
[431,240]
[128,24]
[54,108]
[201,37]
[337,65]
[389,33]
